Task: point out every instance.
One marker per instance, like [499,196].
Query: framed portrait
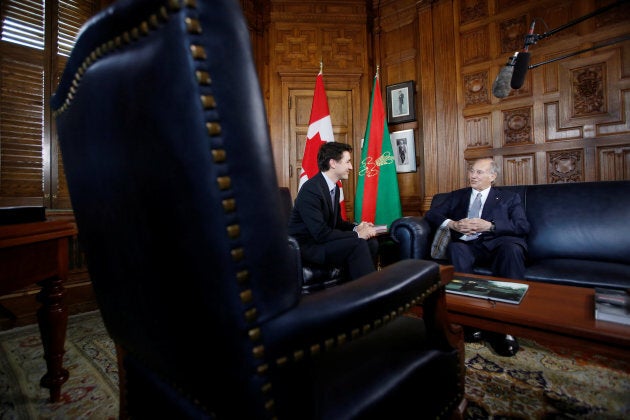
[404,149]
[401,103]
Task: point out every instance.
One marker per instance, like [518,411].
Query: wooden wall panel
[569,120]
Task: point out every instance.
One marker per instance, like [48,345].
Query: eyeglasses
[477,172]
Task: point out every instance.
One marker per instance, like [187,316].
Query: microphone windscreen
[520,70]
[501,86]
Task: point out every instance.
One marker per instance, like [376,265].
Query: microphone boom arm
[605,44]
[534,38]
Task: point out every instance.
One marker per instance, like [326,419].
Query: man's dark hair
[331,150]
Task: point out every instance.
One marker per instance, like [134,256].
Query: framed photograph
[404,150]
[401,103]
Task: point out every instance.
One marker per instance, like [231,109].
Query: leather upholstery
[579,234]
[164,140]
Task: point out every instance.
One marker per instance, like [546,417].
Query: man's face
[479,175]
[342,167]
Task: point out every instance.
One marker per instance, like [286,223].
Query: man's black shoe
[472,335]
[504,345]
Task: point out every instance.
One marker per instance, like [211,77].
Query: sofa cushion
[587,220]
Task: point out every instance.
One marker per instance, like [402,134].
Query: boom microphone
[522,60]
[501,85]
[520,70]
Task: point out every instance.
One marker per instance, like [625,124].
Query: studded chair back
[164,139]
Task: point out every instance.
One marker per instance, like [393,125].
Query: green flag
[377,199]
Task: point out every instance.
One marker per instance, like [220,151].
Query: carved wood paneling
[614,163]
[472,10]
[621,126]
[478,131]
[565,166]
[588,93]
[511,33]
[476,89]
[475,46]
[517,126]
[519,170]
[553,131]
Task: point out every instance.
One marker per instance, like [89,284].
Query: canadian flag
[319,131]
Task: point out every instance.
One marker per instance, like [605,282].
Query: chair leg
[122,384]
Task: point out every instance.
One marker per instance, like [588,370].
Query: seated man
[487,226]
[316,222]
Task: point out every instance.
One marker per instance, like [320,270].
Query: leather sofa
[580,233]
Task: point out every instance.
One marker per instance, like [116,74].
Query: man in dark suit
[487,226]
[316,222]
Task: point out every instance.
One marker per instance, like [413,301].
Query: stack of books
[612,305]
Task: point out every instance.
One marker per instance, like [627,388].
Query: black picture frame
[401,103]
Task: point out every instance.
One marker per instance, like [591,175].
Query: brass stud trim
[174,5]
[144,27]
[191,3]
[224,182]
[266,388]
[198,52]
[153,21]
[234,231]
[214,128]
[193,26]
[262,369]
[298,355]
[281,361]
[258,351]
[203,77]
[269,405]
[208,101]
[218,155]
[237,254]
[229,205]
[251,314]
[246,296]
[254,334]
[242,276]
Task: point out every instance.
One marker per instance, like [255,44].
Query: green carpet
[535,384]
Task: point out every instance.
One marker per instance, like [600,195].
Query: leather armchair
[164,140]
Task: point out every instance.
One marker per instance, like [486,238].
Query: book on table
[493,290]
[612,305]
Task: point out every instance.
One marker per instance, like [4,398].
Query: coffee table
[550,314]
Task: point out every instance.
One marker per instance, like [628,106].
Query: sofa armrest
[296,259]
[413,234]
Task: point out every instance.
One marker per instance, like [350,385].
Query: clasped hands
[470,226]
[365,230]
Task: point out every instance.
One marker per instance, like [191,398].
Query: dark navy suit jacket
[312,222]
[504,208]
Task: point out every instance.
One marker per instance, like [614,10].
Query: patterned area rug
[537,383]
[91,391]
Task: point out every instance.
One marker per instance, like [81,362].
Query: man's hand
[470,226]
[365,230]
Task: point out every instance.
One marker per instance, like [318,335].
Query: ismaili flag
[320,131]
[377,199]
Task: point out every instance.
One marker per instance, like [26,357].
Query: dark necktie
[334,207]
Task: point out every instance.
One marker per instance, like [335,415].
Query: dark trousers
[356,254]
[506,260]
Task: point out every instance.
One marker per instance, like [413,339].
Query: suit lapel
[491,202]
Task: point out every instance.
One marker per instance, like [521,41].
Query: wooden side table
[38,253]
